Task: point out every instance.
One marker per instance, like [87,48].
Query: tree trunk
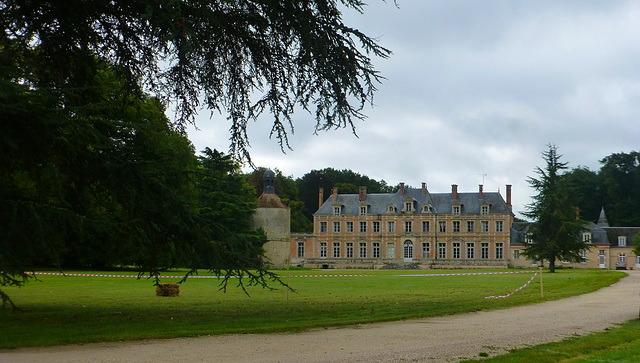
[552,264]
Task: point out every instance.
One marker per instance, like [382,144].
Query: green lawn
[619,344]
[60,310]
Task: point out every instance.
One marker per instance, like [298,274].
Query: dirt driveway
[440,339]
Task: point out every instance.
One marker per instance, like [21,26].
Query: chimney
[509,195]
[454,191]
[402,189]
[363,194]
[424,188]
[480,192]
[335,194]
[320,196]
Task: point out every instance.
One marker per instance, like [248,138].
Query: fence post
[541,289]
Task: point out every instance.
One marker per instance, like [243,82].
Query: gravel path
[440,339]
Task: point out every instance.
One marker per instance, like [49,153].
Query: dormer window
[622,241]
[426,208]
[586,237]
[484,209]
[456,210]
[363,210]
[408,206]
[336,210]
[391,209]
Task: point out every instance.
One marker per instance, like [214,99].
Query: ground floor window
[583,256]
[375,250]
[363,250]
[516,254]
[471,250]
[300,249]
[336,250]
[408,249]
[323,250]
[349,250]
[484,250]
[442,250]
[455,250]
[622,258]
[499,250]
[426,247]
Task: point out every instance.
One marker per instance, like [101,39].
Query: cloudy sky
[476,90]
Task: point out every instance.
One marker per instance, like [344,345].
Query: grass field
[66,309]
[620,344]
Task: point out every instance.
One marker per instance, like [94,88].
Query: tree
[240,58]
[583,188]
[555,229]
[620,175]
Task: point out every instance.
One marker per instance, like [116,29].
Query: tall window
[456,226]
[300,249]
[425,226]
[583,256]
[376,227]
[498,226]
[363,250]
[426,250]
[336,227]
[442,226]
[363,227]
[408,206]
[408,226]
[499,250]
[456,210]
[375,250]
[471,249]
[349,250]
[470,226]
[363,210]
[391,227]
[516,254]
[442,250]
[484,210]
[484,226]
[336,250]
[323,250]
[455,250]
[408,249]
[349,227]
[323,227]
[484,250]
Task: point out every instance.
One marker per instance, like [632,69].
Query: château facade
[411,226]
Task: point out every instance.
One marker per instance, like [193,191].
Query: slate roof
[441,203]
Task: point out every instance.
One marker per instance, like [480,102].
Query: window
[426,209]
[425,226]
[300,249]
[336,227]
[442,226]
[323,227]
[391,209]
[376,227]
[484,250]
[408,206]
[516,254]
[442,250]
[586,237]
[484,226]
[349,250]
[456,210]
[375,252]
[350,227]
[426,250]
[408,226]
[323,250]
[391,227]
[471,250]
[456,226]
[499,250]
[622,258]
[622,241]
[336,250]
[470,226]
[336,211]
[528,238]
[583,256]
[484,210]
[455,250]
[363,210]
[498,226]
[408,249]
[363,227]
[363,250]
